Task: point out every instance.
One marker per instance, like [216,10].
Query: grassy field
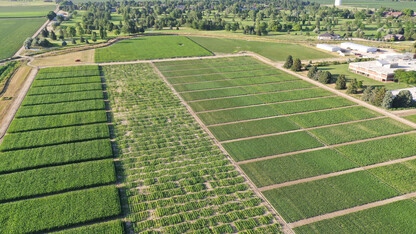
[273,51]
[59,142]
[25,11]
[14,32]
[154,47]
[331,120]
[398,5]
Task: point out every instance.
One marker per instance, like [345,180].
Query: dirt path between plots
[351,210]
[301,129]
[309,179]
[16,103]
[266,203]
[324,147]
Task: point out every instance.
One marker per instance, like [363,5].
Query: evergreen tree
[297,65]
[341,82]
[379,96]
[312,71]
[387,101]
[289,62]
[367,94]
[325,77]
[94,36]
[352,87]
[52,35]
[317,75]
[403,99]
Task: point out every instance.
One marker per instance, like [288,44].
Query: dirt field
[86,56]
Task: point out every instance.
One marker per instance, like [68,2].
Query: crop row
[67,74]
[194,86]
[247,67]
[67,81]
[58,211]
[235,91]
[68,69]
[56,179]
[38,138]
[204,61]
[65,89]
[62,97]
[208,64]
[60,108]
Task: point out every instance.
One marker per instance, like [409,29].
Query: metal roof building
[327,47]
[358,47]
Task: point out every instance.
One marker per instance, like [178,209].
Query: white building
[338,2]
[358,47]
[327,47]
[412,91]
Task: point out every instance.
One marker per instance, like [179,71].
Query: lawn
[153,47]
[343,69]
[397,217]
[25,11]
[318,197]
[271,50]
[14,32]
[294,167]
[270,145]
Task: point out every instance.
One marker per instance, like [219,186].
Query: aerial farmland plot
[59,145]
[311,153]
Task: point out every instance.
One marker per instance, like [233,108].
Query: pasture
[302,146]
[56,155]
[14,32]
[153,47]
[25,11]
[271,50]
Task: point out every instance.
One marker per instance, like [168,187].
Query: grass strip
[62,97]
[67,81]
[65,89]
[67,74]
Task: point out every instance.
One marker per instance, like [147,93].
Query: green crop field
[25,11]
[310,199]
[252,108]
[299,166]
[14,32]
[273,51]
[154,47]
[397,217]
[56,155]
[271,145]
[164,149]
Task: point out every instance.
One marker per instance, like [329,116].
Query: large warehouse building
[358,47]
[328,47]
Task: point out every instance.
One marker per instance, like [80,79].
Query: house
[394,37]
[327,47]
[393,14]
[358,47]
[329,36]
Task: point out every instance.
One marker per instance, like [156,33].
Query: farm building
[383,70]
[358,47]
[412,91]
[329,36]
[327,47]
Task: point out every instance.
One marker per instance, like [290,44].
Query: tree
[51,15]
[403,99]
[117,32]
[60,18]
[82,40]
[378,98]
[408,77]
[297,65]
[227,27]
[64,43]
[367,94]
[72,32]
[94,36]
[317,75]
[45,33]
[341,82]
[45,42]
[52,35]
[289,62]
[387,101]
[312,71]
[408,12]
[28,43]
[325,77]
[73,41]
[352,87]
